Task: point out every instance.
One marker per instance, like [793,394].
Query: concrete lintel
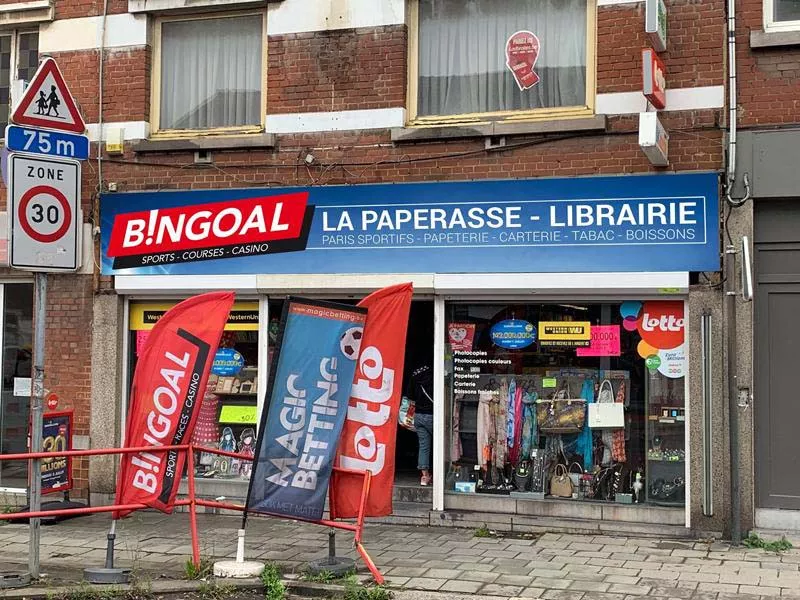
[415,134]
[265,140]
[774,39]
[20,13]
[139,6]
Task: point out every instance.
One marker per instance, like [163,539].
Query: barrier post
[193,508]
[34,466]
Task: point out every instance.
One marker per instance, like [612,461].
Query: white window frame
[770,24]
[538,114]
[155,84]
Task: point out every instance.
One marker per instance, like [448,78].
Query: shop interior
[228,413]
[520,407]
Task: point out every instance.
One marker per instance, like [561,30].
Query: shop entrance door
[16,336]
[777,333]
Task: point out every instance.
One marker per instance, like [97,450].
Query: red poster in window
[522,51]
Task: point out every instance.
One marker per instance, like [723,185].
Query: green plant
[321,577]
[200,571]
[353,590]
[274,588]
[482,532]
[214,591]
[756,541]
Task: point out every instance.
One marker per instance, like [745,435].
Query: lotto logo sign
[661,324]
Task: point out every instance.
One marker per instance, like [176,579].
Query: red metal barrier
[192,501]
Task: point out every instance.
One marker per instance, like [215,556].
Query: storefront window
[581,401]
[229,410]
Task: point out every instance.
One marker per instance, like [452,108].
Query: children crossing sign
[48,103]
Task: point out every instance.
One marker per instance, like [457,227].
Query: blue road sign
[51,143]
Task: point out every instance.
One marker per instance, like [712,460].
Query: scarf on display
[530,431]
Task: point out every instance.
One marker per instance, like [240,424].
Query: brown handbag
[560,483]
[561,414]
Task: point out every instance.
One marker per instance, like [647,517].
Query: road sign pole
[37,400]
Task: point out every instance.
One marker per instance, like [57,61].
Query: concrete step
[772,535]
[413,493]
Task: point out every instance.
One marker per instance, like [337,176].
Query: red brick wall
[126,77]
[71,9]
[694,56]
[68,351]
[337,70]
[768,78]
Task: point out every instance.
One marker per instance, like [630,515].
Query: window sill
[264,140]
[142,6]
[774,39]
[27,11]
[414,134]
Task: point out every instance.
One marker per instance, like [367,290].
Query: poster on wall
[461,336]
[605,342]
[56,437]
[661,327]
[522,52]
[568,334]
[308,396]
[513,334]
[632,223]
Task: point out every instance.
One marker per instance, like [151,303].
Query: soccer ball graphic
[350,342]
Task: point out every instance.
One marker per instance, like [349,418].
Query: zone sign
[44,213]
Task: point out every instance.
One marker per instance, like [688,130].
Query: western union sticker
[570,334]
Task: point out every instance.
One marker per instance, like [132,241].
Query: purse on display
[575,474]
[561,414]
[405,416]
[522,476]
[606,413]
[560,483]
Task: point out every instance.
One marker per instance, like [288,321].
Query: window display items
[247,447]
[205,431]
[526,416]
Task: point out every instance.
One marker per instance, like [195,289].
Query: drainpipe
[730,285]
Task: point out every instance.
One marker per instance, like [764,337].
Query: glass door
[16,324]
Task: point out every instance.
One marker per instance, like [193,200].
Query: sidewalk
[553,567]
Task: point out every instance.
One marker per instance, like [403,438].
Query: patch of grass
[756,541]
[202,571]
[482,532]
[214,591]
[353,590]
[321,577]
[274,588]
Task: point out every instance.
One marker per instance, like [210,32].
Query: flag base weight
[239,568]
[108,573]
[337,566]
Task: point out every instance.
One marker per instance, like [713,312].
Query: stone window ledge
[30,11]
[140,6]
[195,144]
[419,134]
[774,39]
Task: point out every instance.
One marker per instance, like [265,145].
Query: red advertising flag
[369,435]
[168,386]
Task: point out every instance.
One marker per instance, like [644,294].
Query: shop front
[551,312]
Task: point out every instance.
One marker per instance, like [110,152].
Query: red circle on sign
[52,401]
[22,214]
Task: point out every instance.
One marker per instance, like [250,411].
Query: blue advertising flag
[308,395]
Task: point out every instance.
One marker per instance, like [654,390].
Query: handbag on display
[606,413]
[575,475]
[522,476]
[560,483]
[405,416]
[561,414]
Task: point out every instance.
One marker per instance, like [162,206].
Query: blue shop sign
[227,362]
[513,334]
[579,224]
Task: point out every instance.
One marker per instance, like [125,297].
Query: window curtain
[462,58]
[211,73]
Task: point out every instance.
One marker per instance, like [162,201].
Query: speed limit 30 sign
[44,213]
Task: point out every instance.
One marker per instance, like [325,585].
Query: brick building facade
[339,102]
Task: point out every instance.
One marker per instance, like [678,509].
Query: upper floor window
[475,58]
[781,14]
[209,73]
[19,59]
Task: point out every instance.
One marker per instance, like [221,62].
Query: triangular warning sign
[48,103]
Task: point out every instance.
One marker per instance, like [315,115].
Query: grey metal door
[777,354]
